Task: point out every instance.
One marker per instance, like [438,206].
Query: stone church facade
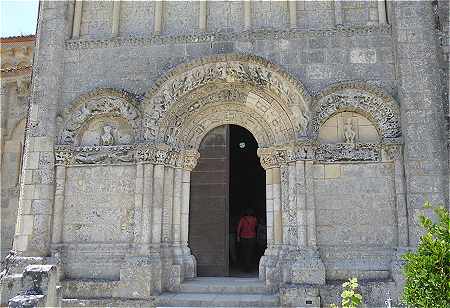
[347,100]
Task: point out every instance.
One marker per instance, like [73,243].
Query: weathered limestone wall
[98,219]
[423,119]
[16,59]
[355,210]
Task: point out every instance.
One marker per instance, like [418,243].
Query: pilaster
[33,229]
[422,116]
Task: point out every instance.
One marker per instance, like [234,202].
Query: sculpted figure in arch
[349,133]
[107,138]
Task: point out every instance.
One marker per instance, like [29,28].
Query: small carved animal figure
[107,138]
[349,133]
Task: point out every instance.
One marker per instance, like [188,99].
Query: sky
[18,17]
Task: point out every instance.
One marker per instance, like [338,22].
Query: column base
[269,269]
[189,264]
[140,277]
[303,266]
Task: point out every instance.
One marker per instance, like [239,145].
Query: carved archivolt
[189,121]
[106,103]
[369,101]
[190,83]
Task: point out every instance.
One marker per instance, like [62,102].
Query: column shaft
[177,195]
[310,205]
[167,204]
[185,207]
[158,16]
[247,15]
[76,24]
[147,199]
[277,218]
[202,20]
[115,18]
[269,208]
[292,13]
[338,21]
[157,200]
[301,204]
[382,18]
[58,207]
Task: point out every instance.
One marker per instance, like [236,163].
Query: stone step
[88,289]
[217,300]
[223,285]
[106,302]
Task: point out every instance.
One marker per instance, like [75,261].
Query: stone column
[115,18]
[158,16]
[269,208]
[157,204]
[146,170]
[310,205]
[301,204]
[202,18]
[277,215]
[422,117]
[167,213]
[58,207]
[382,17]
[176,218]
[394,153]
[189,263]
[268,267]
[77,19]
[33,229]
[292,14]
[247,15]
[338,19]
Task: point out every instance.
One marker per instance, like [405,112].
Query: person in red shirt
[246,237]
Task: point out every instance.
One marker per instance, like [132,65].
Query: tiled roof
[16,39]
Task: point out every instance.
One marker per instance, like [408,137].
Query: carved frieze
[348,152]
[69,155]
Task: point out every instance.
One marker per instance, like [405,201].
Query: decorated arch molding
[263,88]
[99,103]
[368,100]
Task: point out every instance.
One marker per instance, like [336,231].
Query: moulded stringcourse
[222,36]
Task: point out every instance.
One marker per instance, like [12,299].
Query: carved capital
[190,159]
[392,152]
[268,158]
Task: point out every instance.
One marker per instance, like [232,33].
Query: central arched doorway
[227,180]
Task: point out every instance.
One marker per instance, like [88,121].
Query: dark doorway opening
[227,180]
[246,191]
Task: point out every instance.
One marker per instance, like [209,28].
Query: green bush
[427,270]
[350,297]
